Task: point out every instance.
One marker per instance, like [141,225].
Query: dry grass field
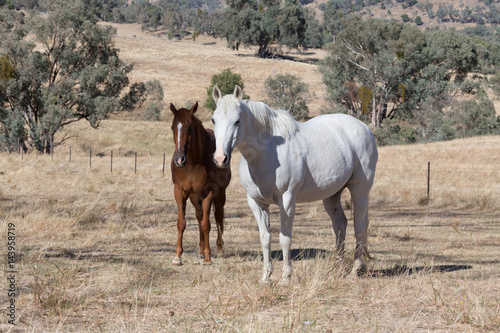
[93,247]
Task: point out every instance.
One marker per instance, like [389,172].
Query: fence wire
[444,177]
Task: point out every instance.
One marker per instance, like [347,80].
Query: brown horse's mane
[203,136]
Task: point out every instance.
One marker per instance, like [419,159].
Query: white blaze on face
[179,126]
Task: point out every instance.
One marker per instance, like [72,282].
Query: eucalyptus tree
[260,23]
[67,70]
[378,69]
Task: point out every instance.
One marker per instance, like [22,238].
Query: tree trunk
[49,148]
[262,53]
[374,111]
[380,111]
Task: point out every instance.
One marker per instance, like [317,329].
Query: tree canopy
[398,64]
[378,69]
[70,72]
[249,22]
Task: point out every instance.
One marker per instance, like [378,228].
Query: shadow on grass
[295,254]
[399,270]
[87,255]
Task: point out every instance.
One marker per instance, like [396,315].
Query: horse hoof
[207,263]
[359,268]
[177,261]
[266,282]
[284,282]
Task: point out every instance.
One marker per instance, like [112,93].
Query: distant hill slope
[395,11]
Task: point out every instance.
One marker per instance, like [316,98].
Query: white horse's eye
[237,123]
[213,121]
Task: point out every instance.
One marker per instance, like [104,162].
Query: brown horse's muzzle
[180,161]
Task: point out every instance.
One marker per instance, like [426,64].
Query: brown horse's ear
[238,92]
[194,108]
[173,109]
[216,94]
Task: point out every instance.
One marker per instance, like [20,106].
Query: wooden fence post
[428,180]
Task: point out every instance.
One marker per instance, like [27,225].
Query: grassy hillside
[185,67]
[394,10]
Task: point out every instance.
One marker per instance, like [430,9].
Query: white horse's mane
[271,121]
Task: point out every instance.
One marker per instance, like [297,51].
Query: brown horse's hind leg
[220,201]
[199,217]
[180,198]
[205,226]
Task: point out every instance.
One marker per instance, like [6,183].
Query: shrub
[152,111]
[287,92]
[154,101]
[495,84]
[393,132]
[476,118]
[435,125]
[225,80]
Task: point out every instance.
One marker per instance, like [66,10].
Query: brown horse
[195,176]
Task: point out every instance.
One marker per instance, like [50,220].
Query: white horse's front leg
[287,210]
[261,213]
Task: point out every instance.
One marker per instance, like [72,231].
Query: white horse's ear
[238,92]
[216,94]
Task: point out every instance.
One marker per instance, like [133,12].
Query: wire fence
[123,159]
[425,177]
[430,181]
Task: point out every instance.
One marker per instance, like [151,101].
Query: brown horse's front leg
[196,201]
[205,226]
[180,198]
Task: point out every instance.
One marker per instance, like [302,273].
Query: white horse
[284,162]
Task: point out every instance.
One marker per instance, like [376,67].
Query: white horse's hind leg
[360,203]
[261,213]
[339,221]
[287,212]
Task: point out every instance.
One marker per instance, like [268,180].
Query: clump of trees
[70,72]
[250,22]
[403,81]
